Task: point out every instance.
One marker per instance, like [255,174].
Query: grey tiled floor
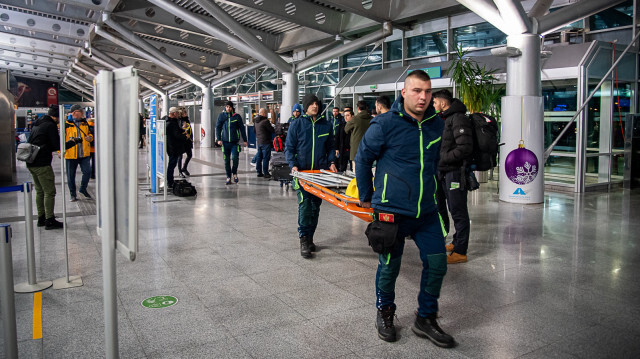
[557,280]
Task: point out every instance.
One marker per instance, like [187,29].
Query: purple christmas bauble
[521,166]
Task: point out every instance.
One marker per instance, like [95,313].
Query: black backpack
[182,188]
[485,141]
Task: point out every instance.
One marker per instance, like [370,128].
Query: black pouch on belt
[382,232]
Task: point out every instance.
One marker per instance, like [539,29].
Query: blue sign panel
[152,141]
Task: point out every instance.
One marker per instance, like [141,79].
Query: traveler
[356,129]
[264,134]
[79,155]
[229,129]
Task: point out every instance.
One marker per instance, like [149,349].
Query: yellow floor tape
[37,315]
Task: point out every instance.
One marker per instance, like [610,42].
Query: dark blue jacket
[336,122]
[407,152]
[310,145]
[234,122]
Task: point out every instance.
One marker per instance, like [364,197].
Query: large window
[357,57]
[478,35]
[621,15]
[393,50]
[427,44]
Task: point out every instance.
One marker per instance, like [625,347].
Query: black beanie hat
[229,103]
[308,99]
[54,111]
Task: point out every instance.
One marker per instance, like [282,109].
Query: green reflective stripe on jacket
[313,143]
[434,141]
[421,169]
[326,134]
[384,190]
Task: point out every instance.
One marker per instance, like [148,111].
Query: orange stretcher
[346,203]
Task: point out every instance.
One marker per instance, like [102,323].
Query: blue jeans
[428,235]
[72,167]
[231,150]
[262,158]
[308,211]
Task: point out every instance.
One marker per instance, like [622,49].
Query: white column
[289,95]
[521,156]
[206,134]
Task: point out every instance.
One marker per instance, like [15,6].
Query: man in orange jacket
[76,127]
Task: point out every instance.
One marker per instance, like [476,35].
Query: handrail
[547,152]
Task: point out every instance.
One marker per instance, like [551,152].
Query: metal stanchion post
[67,281]
[32,285]
[7,300]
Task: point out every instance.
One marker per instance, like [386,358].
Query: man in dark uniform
[229,129]
[309,146]
[175,142]
[405,142]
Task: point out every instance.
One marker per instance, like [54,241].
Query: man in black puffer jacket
[456,150]
[45,134]
[176,139]
[264,134]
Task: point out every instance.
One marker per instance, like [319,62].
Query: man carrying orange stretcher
[309,146]
[405,142]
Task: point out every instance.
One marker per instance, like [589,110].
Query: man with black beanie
[309,146]
[45,135]
[229,129]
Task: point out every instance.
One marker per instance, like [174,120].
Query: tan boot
[449,247]
[456,258]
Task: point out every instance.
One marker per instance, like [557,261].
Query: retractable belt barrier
[32,285]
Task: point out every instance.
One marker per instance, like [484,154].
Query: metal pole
[67,281]
[32,285]
[7,299]
[547,152]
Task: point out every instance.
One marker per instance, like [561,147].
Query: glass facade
[478,35]
[621,15]
[426,45]
[393,50]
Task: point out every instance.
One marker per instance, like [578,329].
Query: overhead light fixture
[277,82]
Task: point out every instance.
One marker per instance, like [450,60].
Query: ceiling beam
[46,24]
[29,43]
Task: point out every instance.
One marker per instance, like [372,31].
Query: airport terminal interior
[550,274]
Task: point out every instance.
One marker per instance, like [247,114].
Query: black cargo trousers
[453,192]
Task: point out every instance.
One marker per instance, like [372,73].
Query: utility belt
[382,233]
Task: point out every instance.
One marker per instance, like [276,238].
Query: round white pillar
[522,132]
[206,120]
[289,95]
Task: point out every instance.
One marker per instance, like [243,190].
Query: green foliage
[475,85]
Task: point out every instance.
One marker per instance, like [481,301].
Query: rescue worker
[309,146]
[405,142]
[296,112]
[229,129]
[456,150]
[80,155]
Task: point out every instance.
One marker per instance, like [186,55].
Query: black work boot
[305,251]
[429,328]
[312,246]
[41,221]
[51,223]
[384,324]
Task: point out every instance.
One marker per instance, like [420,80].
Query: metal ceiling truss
[16,69]
[29,43]
[377,11]
[44,23]
[123,52]
[37,76]
[123,56]
[34,59]
[299,12]
[96,5]
[54,7]
[204,42]
[164,21]
[30,63]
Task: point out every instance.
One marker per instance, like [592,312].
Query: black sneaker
[41,221]
[85,193]
[181,174]
[186,172]
[429,328]
[260,175]
[51,223]
[384,324]
[267,176]
[305,251]
[312,246]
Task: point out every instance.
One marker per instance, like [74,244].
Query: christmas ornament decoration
[521,165]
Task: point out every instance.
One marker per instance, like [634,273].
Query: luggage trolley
[329,186]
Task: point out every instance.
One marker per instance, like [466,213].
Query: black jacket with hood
[264,130]
[457,137]
[45,134]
